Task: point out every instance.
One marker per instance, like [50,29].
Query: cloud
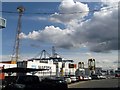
[52,34]
[107,63]
[99,33]
[42,18]
[68,7]
[118,62]
[110,2]
[34,18]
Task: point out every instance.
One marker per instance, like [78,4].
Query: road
[103,83]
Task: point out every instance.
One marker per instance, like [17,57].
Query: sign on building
[72,65]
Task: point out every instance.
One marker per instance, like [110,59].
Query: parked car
[94,76]
[55,82]
[8,80]
[117,75]
[80,78]
[87,78]
[102,77]
[73,78]
[22,83]
[67,79]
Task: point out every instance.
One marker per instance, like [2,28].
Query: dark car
[9,80]
[55,82]
[94,76]
[117,75]
[21,82]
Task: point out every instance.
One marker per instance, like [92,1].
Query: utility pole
[20,10]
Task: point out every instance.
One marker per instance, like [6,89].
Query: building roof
[21,70]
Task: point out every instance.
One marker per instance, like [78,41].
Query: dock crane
[43,55]
[80,72]
[81,65]
[91,65]
[15,55]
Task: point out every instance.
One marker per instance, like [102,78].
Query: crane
[15,55]
[91,65]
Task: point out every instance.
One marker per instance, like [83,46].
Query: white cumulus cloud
[99,33]
[69,11]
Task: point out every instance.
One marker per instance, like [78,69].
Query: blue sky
[29,22]
[42,31]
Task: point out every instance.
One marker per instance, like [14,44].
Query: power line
[49,13]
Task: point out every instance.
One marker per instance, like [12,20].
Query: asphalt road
[104,83]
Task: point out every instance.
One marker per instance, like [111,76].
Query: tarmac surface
[103,83]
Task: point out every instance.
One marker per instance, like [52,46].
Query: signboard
[2,23]
[72,65]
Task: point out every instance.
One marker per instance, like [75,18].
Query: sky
[78,30]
